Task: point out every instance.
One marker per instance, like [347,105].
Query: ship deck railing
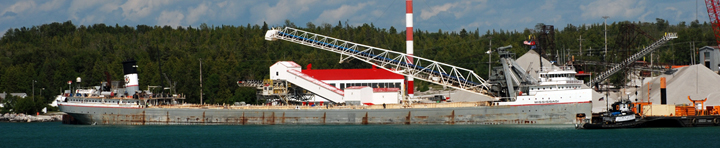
[126,98]
[304,107]
[555,82]
[557,68]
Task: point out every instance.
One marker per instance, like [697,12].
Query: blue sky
[430,15]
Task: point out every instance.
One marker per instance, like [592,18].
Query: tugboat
[620,116]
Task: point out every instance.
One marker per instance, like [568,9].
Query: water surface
[55,134]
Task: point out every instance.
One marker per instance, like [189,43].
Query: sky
[430,15]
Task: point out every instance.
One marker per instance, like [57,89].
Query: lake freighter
[557,98]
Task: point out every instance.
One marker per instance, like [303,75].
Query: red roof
[351,74]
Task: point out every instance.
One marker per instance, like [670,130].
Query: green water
[55,134]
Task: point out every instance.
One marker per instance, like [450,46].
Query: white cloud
[230,10]
[457,9]
[222,4]
[642,17]
[51,5]
[20,7]
[679,13]
[195,13]
[613,8]
[556,19]
[80,5]
[16,9]
[283,9]
[472,25]
[549,5]
[90,19]
[135,9]
[526,19]
[170,18]
[109,7]
[345,11]
[426,14]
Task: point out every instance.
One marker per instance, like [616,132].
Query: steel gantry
[396,62]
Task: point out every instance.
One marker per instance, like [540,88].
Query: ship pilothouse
[120,94]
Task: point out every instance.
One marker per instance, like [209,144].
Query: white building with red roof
[380,86]
[344,78]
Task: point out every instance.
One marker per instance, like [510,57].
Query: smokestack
[131,77]
[409,43]
[663,92]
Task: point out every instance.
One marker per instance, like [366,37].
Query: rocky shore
[12,117]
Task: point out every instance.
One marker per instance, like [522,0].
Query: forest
[47,56]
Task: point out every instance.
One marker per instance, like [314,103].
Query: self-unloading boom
[626,62]
[514,74]
[396,62]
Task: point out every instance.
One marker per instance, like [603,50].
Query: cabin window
[707,55]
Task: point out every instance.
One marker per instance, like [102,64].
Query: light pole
[41,91]
[605,24]
[489,52]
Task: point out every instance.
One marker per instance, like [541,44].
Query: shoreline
[52,117]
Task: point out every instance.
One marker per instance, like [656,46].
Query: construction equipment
[713,8]
[631,59]
[251,83]
[279,91]
[396,62]
[511,77]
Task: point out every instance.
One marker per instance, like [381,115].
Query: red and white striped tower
[409,43]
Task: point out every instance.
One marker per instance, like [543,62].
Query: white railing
[557,68]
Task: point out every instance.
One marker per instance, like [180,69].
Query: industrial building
[710,57]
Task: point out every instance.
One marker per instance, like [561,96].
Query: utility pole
[605,56]
[201,89]
[581,45]
[605,59]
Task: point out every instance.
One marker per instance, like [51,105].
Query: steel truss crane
[396,62]
[713,8]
